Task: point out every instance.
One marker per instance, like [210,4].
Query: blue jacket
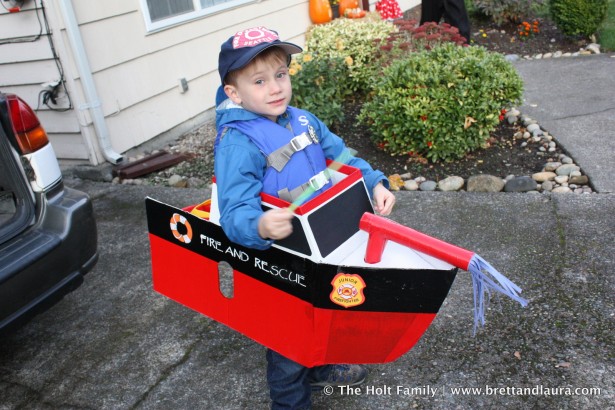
[240,168]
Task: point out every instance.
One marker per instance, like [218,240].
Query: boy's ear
[231,92]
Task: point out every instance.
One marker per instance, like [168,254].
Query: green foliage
[440,104]
[578,17]
[606,34]
[319,86]
[352,41]
[502,11]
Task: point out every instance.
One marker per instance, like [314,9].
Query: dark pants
[289,382]
[453,11]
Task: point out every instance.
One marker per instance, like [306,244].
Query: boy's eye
[258,82]
[281,74]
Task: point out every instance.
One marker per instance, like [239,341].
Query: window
[161,9]
[164,13]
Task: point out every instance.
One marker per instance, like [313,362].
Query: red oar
[484,276]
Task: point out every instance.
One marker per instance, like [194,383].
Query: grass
[606,33]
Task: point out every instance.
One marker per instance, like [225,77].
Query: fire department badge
[347,290]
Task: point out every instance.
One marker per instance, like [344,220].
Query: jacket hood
[228,111]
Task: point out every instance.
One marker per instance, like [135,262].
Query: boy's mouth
[277,102]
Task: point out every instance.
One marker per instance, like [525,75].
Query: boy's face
[263,87]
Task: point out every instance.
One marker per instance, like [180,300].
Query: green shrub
[319,87]
[502,11]
[440,104]
[351,40]
[578,17]
[606,33]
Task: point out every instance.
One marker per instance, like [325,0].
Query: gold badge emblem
[347,290]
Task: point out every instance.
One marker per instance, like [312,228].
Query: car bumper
[50,258]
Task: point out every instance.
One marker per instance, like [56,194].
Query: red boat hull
[294,313]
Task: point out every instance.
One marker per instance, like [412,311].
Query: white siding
[25,65]
[136,73]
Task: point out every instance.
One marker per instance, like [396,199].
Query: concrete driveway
[116,344]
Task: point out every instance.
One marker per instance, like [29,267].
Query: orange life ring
[185,238]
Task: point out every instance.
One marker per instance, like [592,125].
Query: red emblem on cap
[253,36]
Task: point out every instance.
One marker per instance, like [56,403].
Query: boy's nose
[274,87]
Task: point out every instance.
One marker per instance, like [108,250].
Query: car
[48,236]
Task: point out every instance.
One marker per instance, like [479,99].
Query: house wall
[27,62]
[136,73]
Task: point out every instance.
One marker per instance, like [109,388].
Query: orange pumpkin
[355,13]
[320,11]
[348,4]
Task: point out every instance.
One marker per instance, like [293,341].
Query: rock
[561,190]
[102,173]
[513,112]
[547,186]
[557,54]
[579,180]
[411,185]
[566,160]
[194,182]
[406,176]
[428,186]
[543,176]
[511,57]
[177,181]
[534,129]
[453,183]
[561,179]
[485,183]
[566,169]
[520,184]
[594,48]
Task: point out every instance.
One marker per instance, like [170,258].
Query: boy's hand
[275,224]
[383,200]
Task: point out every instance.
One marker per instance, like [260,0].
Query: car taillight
[28,130]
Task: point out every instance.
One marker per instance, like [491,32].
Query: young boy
[265,145]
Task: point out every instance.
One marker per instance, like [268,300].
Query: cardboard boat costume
[346,286]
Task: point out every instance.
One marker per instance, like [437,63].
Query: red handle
[381,230]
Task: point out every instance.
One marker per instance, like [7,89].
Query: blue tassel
[483,275]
